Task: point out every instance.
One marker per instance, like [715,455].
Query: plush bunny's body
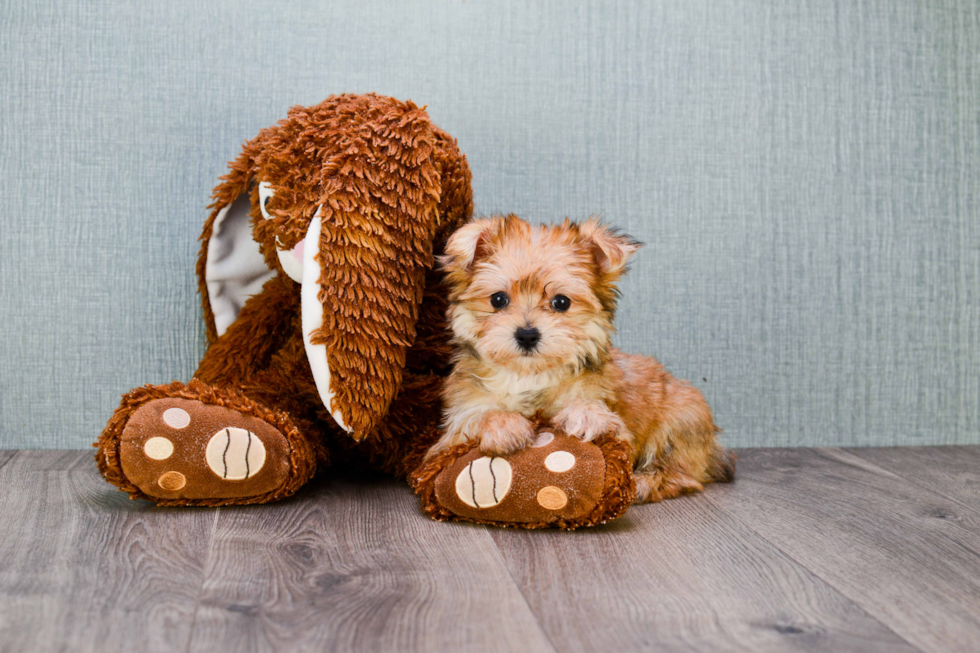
[325,318]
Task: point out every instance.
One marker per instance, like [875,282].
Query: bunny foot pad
[194,445]
[559,481]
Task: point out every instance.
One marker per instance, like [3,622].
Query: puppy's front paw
[504,433]
[589,421]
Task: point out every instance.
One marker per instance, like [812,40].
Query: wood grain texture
[682,575]
[354,566]
[953,471]
[809,550]
[909,557]
[85,569]
[5,455]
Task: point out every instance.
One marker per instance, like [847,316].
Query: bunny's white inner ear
[312,311]
[235,269]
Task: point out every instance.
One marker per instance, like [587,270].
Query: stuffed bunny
[325,318]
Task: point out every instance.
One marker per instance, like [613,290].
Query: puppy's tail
[721,467]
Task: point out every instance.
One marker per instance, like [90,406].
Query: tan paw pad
[235,454]
[544,439]
[176,418]
[484,482]
[172,481]
[158,448]
[559,461]
[552,498]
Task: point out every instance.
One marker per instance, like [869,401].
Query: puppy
[532,314]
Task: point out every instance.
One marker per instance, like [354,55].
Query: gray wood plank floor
[812,550]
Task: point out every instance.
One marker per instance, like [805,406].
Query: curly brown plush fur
[388,188]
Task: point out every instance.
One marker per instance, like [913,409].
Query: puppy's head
[535,298]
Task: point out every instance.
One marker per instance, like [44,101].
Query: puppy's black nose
[527,337]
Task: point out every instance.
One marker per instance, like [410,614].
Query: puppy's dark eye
[560,303]
[499,299]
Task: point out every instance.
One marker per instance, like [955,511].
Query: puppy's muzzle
[527,338]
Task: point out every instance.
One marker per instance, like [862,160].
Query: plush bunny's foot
[198,445]
[559,481]
[178,448]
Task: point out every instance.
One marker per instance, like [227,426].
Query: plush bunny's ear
[368,172]
[230,266]
[234,267]
[365,257]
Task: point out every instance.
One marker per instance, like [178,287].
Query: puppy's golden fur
[564,369]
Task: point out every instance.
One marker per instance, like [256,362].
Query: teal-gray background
[806,176]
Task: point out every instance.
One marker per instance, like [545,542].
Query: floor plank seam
[9,458]
[510,574]
[856,601]
[204,578]
[931,490]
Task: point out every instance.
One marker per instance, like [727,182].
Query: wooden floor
[809,550]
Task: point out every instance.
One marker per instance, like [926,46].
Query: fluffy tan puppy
[532,315]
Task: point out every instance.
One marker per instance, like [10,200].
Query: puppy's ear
[610,248]
[469,244]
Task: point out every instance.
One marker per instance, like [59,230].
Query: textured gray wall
[806,176]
